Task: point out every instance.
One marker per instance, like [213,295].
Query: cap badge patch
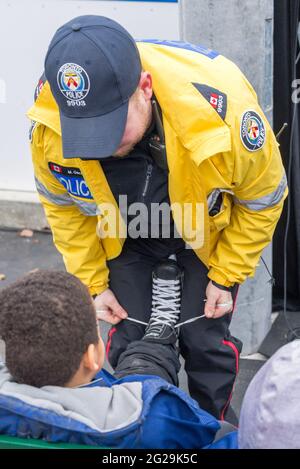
[74,83]
[253,132]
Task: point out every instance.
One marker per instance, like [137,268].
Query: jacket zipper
[147,180]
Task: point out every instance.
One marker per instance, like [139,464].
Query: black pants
[211,354]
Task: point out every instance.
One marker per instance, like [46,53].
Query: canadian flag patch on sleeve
[216,98]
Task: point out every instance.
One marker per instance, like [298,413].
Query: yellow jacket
[217,139]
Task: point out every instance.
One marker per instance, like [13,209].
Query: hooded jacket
[270,413]
[134,412]
[217,140]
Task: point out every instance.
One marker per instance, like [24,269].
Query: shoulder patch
[216,98]
[39,86]
[71,179]
[253,132]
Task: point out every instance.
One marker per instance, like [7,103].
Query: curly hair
[47,321]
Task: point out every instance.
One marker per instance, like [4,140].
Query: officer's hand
[215,296]
[108,308]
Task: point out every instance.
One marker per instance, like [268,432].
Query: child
[54,387]
[270,414]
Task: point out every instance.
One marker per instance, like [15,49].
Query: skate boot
[167,279]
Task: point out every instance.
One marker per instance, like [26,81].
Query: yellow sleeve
[74,234]
[241,244]
[260,188]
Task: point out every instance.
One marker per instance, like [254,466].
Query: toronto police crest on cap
[253,132]
[74,83]
[93,68]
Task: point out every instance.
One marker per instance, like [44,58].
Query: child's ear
[101,352]
[94,357]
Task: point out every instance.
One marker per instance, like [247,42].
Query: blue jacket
[133,412]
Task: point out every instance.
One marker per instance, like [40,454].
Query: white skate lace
[188,321]
[163,291]
[166,299]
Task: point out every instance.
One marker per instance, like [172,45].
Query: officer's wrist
[222,287]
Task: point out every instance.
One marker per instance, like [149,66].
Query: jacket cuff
[221,287]
[218,277]
[96,290]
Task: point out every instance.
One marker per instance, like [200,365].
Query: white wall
[27,27]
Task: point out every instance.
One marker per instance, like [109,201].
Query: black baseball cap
[93,67]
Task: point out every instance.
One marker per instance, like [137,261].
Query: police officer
[118,125]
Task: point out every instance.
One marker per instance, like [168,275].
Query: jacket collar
[45,110]
[200,129]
